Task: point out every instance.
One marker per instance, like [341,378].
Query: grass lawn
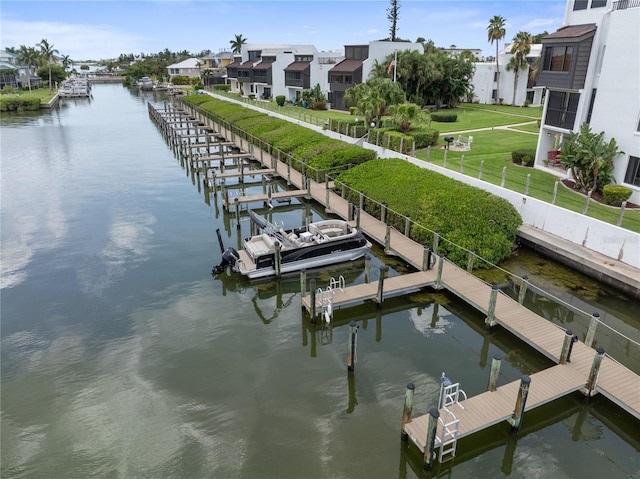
[494,147]
[491,146]
[42,93]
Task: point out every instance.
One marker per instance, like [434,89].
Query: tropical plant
[520,48]
[66,61]
[393,15]
[314,98]
[374,97]
[495,33]
[237,42]
[48,52]
[29,57]
[589,158]
[403,114]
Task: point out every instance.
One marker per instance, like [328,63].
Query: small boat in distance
[277,251]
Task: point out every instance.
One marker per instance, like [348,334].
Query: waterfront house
[191,67]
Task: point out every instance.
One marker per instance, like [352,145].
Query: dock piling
[595,370]
[277,258]
[367,269]
[523,392]
[312,303]
[387,240]
[408,410]
[303,282]
[351,357]
[565,353]
[380,294]
[495,371]
[491,311]
[591,332]
[439,273]
[429,448]
[522,292]
[472,257]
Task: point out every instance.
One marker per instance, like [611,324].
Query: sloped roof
[346,66]
[297,67]
[263,66]
[571,32]
[188,63]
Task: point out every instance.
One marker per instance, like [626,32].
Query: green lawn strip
[533,112]
[494,147]
[470,119]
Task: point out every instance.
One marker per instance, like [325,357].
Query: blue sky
[104,29]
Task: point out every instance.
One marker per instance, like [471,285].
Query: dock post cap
[353,324]
[495,287]
[411,386]
[525,379]
[600,350]
[434,413]
[498,356]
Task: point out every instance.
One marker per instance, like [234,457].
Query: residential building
[591,70]
[191,67]
[15,75]
[359,62]
[261,70]
[485,85]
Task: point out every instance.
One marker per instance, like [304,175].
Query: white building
[591,70]
[485,86]
[191,67]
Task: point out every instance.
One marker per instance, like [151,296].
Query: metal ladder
[450,394]
[324,299]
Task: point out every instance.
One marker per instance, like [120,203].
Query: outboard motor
[229,258]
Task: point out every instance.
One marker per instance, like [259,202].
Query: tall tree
[236,43]
[28,56]
[520,48]
[393,15]
[495,33]
[66,61]
[48,53]
[374,97]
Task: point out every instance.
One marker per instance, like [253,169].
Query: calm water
[122,357]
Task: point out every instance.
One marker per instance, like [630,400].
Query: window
[598,3]
[557,59]
[495,76]
[304,58]
[633,171]
[494,94]
[580,5]
[253,54]
[269,59]
[561,109]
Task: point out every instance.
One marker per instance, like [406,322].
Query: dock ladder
[450,394]
[324,299]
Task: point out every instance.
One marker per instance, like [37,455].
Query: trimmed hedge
[466,216]
[443,117]
[308,146]
[615,195]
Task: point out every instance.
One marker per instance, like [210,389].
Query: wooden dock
[615,381]
[265,197]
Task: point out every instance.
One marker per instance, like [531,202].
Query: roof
[347,66]
[247,64]
[297,67]
[571,32]
[188,63]
[262,66]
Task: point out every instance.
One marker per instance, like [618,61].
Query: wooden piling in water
[595,370]
[566,347]
[351,357]
[303,282]
[408,410]
[491,310]
[429,448]
[523,289]
[495,371]
[591,332]
[367,269]
[312,303]
[380,293]
[521,401]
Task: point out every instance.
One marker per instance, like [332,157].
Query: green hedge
[12,103]
[465,216]
[221,87]
[444,117]
[615,195]
[305,145]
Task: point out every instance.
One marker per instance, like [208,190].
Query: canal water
[122,357]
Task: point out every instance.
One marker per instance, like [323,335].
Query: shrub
[444,117]
[615,195]
[517,156]
[425,138]
[319,105]
[13,103]
[527,160]
[180,80]
[467,217]
[221,87]
[352,110]
[252,96]
[280,100]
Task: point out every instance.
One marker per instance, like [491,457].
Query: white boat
[146,83]
[277,251]
[76,87]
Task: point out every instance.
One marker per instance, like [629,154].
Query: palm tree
[236,45]
[66,61]
[29,57]
[48,53]
[520,49]
[495,33]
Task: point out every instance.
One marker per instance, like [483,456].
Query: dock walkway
[615,381]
